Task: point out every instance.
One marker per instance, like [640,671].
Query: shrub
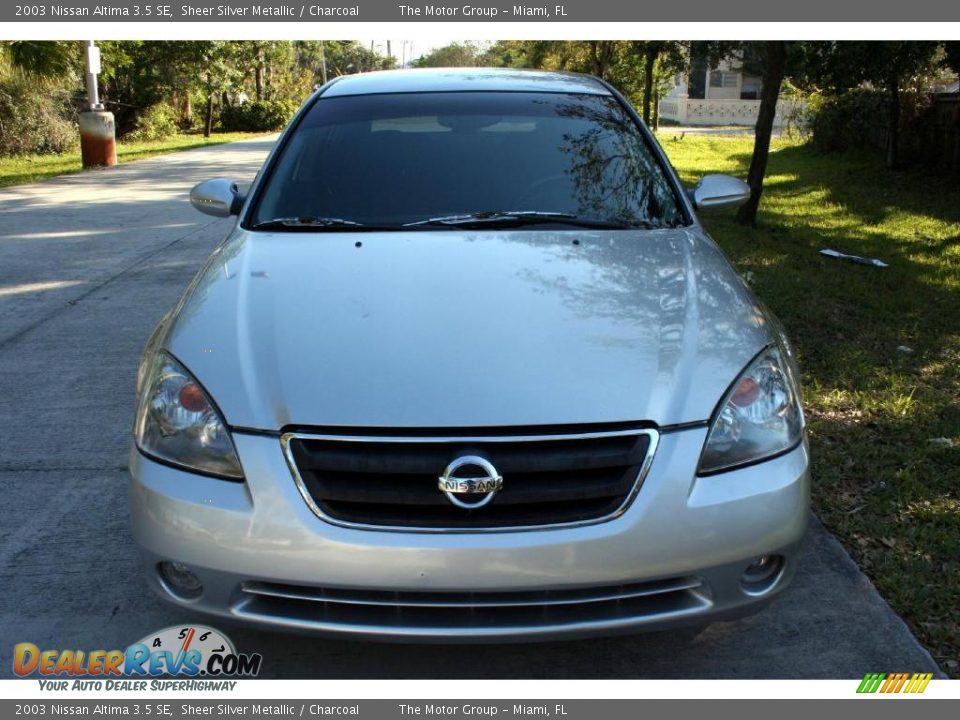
[157,122]
[857,118]
[257,115]
[34,120]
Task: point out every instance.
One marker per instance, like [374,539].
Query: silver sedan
[468,367]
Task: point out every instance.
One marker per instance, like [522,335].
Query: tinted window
[395,159]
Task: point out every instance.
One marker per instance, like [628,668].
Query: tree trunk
[208,119]
[955,164]
[775,63]
[597,64]
[893,127]
[601,52]
[649,64]
[258,71]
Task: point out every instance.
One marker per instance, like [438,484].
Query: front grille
[392,482]
[440,613]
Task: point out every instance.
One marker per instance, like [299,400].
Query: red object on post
[98,144]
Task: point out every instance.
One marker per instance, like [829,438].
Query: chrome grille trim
[479,615]
[479,599]
[287,438]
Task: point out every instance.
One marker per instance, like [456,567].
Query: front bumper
[676,556]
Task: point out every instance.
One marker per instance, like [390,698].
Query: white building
[722,96]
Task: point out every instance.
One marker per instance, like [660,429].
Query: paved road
[88,264]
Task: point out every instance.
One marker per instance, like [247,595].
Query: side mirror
[218,197]
[719,191]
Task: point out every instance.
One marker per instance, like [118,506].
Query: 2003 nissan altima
[468,367]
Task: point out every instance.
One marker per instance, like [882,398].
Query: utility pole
[98,143]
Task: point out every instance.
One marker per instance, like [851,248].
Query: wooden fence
[933,138]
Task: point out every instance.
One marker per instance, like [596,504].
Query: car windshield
[439,159]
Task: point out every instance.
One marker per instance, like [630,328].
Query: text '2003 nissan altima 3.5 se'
[468,367]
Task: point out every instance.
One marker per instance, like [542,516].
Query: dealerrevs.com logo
[182,651]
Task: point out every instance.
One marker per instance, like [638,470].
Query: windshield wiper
[515,218]
[488,219]
[308,223]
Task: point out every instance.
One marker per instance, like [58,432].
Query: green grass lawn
[29,168]
[880,354]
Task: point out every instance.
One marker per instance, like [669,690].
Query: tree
[344,57]
[137,75]
[457,54]
[672,55]
[617,62]
[47,60]
[602,54]
[520,53]
[637,69]
[651,52]
[771,60]
[38,81]
[894,66]
[951,50]
[774,70]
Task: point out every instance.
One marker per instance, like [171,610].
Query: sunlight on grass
[934,509]
[879,350]
[780,179]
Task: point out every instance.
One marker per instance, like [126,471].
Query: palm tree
[42,60]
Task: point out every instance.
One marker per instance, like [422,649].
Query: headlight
[760,416]
[177,422]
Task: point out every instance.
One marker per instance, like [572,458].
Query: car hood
[441,329]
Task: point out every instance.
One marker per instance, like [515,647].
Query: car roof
[464,80]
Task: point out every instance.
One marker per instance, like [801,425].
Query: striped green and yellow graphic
[894,682]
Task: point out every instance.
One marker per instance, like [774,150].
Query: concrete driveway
[88,264]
